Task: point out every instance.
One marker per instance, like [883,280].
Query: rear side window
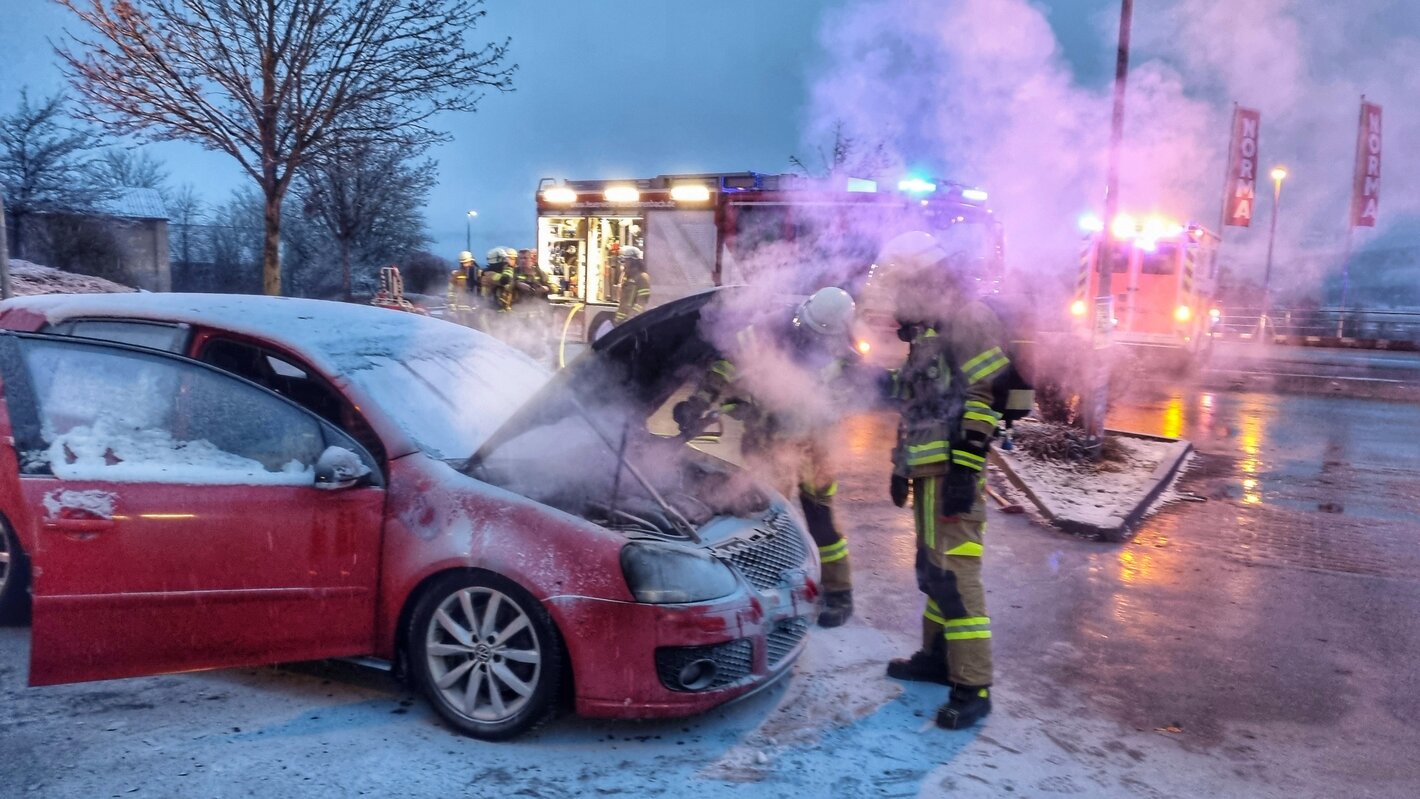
[124,416]
[153,335]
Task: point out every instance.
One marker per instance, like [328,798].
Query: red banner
[1366,189]
[1241,187]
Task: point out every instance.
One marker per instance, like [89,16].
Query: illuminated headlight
[864,347]
[560,195]
[690,193]
[1077,308]
[666,574]
[1215,314]
[1182,313]
[621,194]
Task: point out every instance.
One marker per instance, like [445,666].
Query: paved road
[1249,645]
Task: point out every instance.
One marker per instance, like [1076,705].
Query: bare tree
[363,189]
[43,164]
[184,211]
[276,83]
[847,157]
[127,168]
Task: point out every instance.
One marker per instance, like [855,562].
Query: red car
[204,481]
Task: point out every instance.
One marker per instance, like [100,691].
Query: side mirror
[338,468]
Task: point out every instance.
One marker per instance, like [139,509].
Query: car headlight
[665,574]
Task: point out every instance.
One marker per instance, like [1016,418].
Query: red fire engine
[1164,279]
[705,230]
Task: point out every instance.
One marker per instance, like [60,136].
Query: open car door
[181,517]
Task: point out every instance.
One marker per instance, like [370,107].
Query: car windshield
[447,392]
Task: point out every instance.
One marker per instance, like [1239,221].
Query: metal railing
[1328,325]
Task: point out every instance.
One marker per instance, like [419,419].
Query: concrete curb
[1120,527]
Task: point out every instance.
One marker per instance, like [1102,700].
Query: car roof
[321,330]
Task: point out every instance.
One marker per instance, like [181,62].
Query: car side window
[120,415]
[154,335]
[266,368]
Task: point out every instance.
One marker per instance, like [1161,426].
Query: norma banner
[1240,200]
[1366,189]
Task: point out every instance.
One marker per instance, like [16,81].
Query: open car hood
[638,365]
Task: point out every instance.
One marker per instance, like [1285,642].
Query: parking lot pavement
[1236,647]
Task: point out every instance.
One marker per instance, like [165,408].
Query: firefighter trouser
[949,573]
[769,459]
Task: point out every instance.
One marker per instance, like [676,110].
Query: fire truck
[1164,280]
[698,231]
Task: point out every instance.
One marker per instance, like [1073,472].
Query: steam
[980,91]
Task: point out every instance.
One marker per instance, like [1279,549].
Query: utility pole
[1104,302]
[468,231]
[1278,174]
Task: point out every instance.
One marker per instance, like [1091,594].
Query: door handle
[79,525]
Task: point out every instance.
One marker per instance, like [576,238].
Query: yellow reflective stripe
[833,552]
[981,417]
[968,459]
[978,405]
[962,636]
[967,549]
[982,358]
[929,333]
[934,613]
[926,459]
[724,369]
[929,515]
[989,369]
[970,621]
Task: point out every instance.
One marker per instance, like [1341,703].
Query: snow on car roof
[401,361]
[317,328]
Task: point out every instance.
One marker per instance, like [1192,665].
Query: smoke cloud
[981,91]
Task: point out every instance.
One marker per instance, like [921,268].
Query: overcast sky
[636,88]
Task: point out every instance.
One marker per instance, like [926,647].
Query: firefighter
[634,293]
[944,391]
[463,288]
[792,440]
[499,279]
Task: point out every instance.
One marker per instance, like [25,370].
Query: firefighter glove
[958,492]
[900,488]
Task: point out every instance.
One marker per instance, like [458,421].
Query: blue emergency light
[916,186]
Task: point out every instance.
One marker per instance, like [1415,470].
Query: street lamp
[468,231]
[1278,174]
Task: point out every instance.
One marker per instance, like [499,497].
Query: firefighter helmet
[499,256]
[631,252]
[466,257]
[911,253]
[828,312]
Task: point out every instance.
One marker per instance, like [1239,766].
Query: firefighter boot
[928,664]
[966,705]
[837,608]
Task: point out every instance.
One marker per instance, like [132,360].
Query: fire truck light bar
[973,195]
[560,195]
[916,185]
[690,193]
[621,194]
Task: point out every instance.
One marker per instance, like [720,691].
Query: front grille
[765,555]
[783,638]
[732,663]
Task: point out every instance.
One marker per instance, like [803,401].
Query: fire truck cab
[1164,277]
[704,230]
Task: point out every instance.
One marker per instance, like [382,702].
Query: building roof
[135,203]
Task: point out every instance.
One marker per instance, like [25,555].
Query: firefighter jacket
[634,295]
[945,391]
[727,388]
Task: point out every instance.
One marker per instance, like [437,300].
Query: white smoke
[981,91]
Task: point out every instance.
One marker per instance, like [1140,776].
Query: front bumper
[628,659]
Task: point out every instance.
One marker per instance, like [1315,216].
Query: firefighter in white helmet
[787,432]
[945,392]
[634,292]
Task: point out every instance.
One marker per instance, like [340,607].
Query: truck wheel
[602,324]
[486,655]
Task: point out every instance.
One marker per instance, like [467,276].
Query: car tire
[14,578]
[486,655]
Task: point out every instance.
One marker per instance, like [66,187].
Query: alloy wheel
[483,654]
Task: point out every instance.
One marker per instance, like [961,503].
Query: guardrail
[1323,327]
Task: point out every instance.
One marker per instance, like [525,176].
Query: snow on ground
[29,278]
[1098,495]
